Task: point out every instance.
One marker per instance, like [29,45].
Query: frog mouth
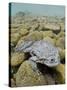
[51,63]
[40,60]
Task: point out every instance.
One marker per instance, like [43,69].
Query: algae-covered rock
[23,32]
[52,40]
[60,76]
[19,42]
[14,38]
[52,26]
[27,76]
[13,83]
[34,27]
[61,34]
[34,35]
[62,26]
[48,33]
[62,54]
[13,31]
[41,27]
[60,42]
[17,58]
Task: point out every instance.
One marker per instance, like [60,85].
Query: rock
[19,42]
[23,32]
[61,42]
[50,80]
[14,70]
[34,27]
[62,54]
[62,26]
[28,76]
[14,38]
[41,27]
[17,58]
[14,25]
[47,72]
[60,76]
[34,35]
[52,40]
[48,33]
[54,27]
[13,83]
[13,30]
[61,34]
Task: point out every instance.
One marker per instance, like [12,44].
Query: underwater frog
[41,51]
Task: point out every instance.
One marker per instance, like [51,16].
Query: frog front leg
[33,62]
[33,58]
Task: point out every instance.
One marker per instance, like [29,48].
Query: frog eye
[52,60]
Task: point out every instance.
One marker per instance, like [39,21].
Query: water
[38,9]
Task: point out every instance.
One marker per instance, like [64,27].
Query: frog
[41,51]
